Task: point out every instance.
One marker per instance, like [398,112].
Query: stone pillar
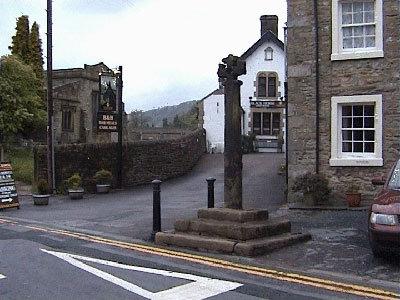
[228,72]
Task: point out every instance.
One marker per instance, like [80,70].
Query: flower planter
[103,188]
[309,199]
[40,199]
[75,194]
[353,199]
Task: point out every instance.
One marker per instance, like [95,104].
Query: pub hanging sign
[8,191]
[108,122]
[108,91]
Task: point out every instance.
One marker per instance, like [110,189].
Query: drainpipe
[316,27]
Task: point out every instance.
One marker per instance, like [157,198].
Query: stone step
[195,241]
[265,245]
[234,230]
[236,215]
[221,245]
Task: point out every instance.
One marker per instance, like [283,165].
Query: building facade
[343,82]
[262,95]
[76,104]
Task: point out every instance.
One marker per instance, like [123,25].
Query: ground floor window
[266,123]
[67,119]
[356,128]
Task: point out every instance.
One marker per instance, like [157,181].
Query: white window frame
[338,53]
[269,53]
[342,159]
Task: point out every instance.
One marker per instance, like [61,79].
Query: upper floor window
[266,85]
[356,29]
[269,53]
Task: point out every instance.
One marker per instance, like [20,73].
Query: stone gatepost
[228,73]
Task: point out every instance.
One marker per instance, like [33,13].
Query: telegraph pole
[119,146]
[50,153]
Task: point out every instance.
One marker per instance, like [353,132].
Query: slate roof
[268,36]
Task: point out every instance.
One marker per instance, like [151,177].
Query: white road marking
[2,276]
[201,287]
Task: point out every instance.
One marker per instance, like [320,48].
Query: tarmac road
[339,249]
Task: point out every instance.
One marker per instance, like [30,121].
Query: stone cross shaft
[228,72]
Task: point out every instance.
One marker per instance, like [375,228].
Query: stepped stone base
[231,231]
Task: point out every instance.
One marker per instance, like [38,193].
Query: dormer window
[269,53]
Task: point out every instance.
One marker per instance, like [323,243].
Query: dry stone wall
[143,161]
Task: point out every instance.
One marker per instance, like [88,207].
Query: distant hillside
[157,115]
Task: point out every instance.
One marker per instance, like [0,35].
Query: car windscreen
[394,181]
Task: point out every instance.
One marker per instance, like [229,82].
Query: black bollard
[156,208]
[210,181]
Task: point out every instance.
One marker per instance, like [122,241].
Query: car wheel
[376,252]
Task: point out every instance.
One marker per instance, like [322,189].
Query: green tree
[21,108]
[165,123]
[36,52]
[138,119]
[20,41]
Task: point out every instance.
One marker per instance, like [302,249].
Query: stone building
[262,95]
[343,82]
[76,105]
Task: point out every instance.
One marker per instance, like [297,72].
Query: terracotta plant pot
[40,199]
[353,199]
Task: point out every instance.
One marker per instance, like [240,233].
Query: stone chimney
[269,22]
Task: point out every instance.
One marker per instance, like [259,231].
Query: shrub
[74,182]
[42,187]
[102,177]
[315,184]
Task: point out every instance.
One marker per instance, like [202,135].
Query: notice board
[8,191]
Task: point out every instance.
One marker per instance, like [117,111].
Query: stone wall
[337,78]
[143,161]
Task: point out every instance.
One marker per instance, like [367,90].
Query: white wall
[214,118]
[256,63]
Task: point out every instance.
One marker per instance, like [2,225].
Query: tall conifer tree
[36,52]
[20,41]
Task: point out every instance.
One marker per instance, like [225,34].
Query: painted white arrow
[2,276]
[200,288]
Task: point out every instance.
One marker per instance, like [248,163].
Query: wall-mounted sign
[262,104]
[108,91]
[8,191]
[108,122]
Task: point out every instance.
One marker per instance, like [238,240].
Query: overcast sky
[169,49]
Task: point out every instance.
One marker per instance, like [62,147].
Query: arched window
[267,85]
[269,53]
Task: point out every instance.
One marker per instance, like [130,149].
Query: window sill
[356,162]
[357,55]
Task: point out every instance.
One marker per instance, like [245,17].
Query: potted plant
[353,195]
[103,180]
[314,187]
[74,184]
[42,197]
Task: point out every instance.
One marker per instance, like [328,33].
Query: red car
[384,215]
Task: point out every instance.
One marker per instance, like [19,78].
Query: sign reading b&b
[109,122]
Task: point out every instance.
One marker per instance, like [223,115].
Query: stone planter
[40,199]
[309,199]
[75,194]
[103,188]
[353,199]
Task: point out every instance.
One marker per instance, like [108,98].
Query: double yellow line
[330,285]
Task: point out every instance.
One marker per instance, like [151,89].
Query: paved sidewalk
[339,248]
